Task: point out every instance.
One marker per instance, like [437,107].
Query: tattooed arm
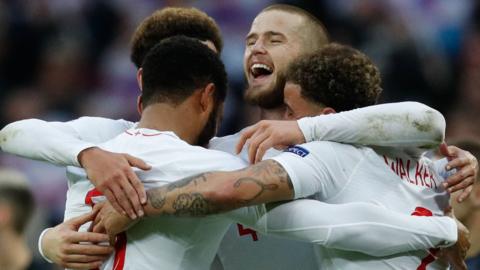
[215,192]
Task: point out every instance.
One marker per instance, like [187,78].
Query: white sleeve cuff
[297,186]
[40,245]
[451,232]
[76,151]
[307,127]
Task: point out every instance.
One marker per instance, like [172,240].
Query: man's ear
[139,105]
[207,98]
[139,78]
[328,110]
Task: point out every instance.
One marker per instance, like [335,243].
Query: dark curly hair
[176,67]
[172,21]
[337,76]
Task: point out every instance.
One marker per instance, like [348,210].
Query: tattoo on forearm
[183,198]
[262,172]
[156,198]
[262,187]
[184,204]
[184,182]
[192,205]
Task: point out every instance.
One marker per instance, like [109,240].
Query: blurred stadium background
[63,59]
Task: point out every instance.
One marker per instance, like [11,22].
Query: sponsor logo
[297,150]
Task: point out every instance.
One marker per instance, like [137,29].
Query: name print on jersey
[414,172]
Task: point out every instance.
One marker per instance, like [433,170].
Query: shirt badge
[297,150]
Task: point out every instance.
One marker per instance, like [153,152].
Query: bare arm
[215,192]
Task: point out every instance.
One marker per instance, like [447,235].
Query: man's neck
[165,117]
[273,114]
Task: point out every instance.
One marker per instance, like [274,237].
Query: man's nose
[259,47]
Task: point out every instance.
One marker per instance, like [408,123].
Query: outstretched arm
[59,143]
[342,226]
[73,143]
[362,227]
[216,192]
[402,125]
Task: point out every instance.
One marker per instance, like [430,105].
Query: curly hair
[177,66]
[172,21]
[336,76]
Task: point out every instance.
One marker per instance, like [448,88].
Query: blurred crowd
[63,59]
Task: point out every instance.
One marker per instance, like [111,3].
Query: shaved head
[278,35]
[313,32]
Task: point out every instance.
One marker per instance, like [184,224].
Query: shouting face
[273,42]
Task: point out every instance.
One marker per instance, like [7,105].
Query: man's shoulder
[327,152]
[93,121]
[225,143]
[164,147]
[220,159]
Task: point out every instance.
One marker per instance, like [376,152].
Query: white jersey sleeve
[361,227]
[315,168]
[403,124]
[349,226]
[58,142]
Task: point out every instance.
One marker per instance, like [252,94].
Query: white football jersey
[341,173]
[245,248]
[160,242]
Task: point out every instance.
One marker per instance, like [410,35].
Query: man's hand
[65,246]
[455,255]
[112,174]
[467,170]
[109,221]
[267,134]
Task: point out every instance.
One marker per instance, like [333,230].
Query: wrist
[84,155]
[304,125]
[299,137]
[40,245]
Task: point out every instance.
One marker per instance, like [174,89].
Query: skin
[273,40]
[298,107]
[205,194]
[61,243]
[216,192]
[275,50]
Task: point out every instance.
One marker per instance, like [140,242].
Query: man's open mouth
[258,70]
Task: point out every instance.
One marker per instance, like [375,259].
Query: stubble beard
[210,129]
[267,99]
